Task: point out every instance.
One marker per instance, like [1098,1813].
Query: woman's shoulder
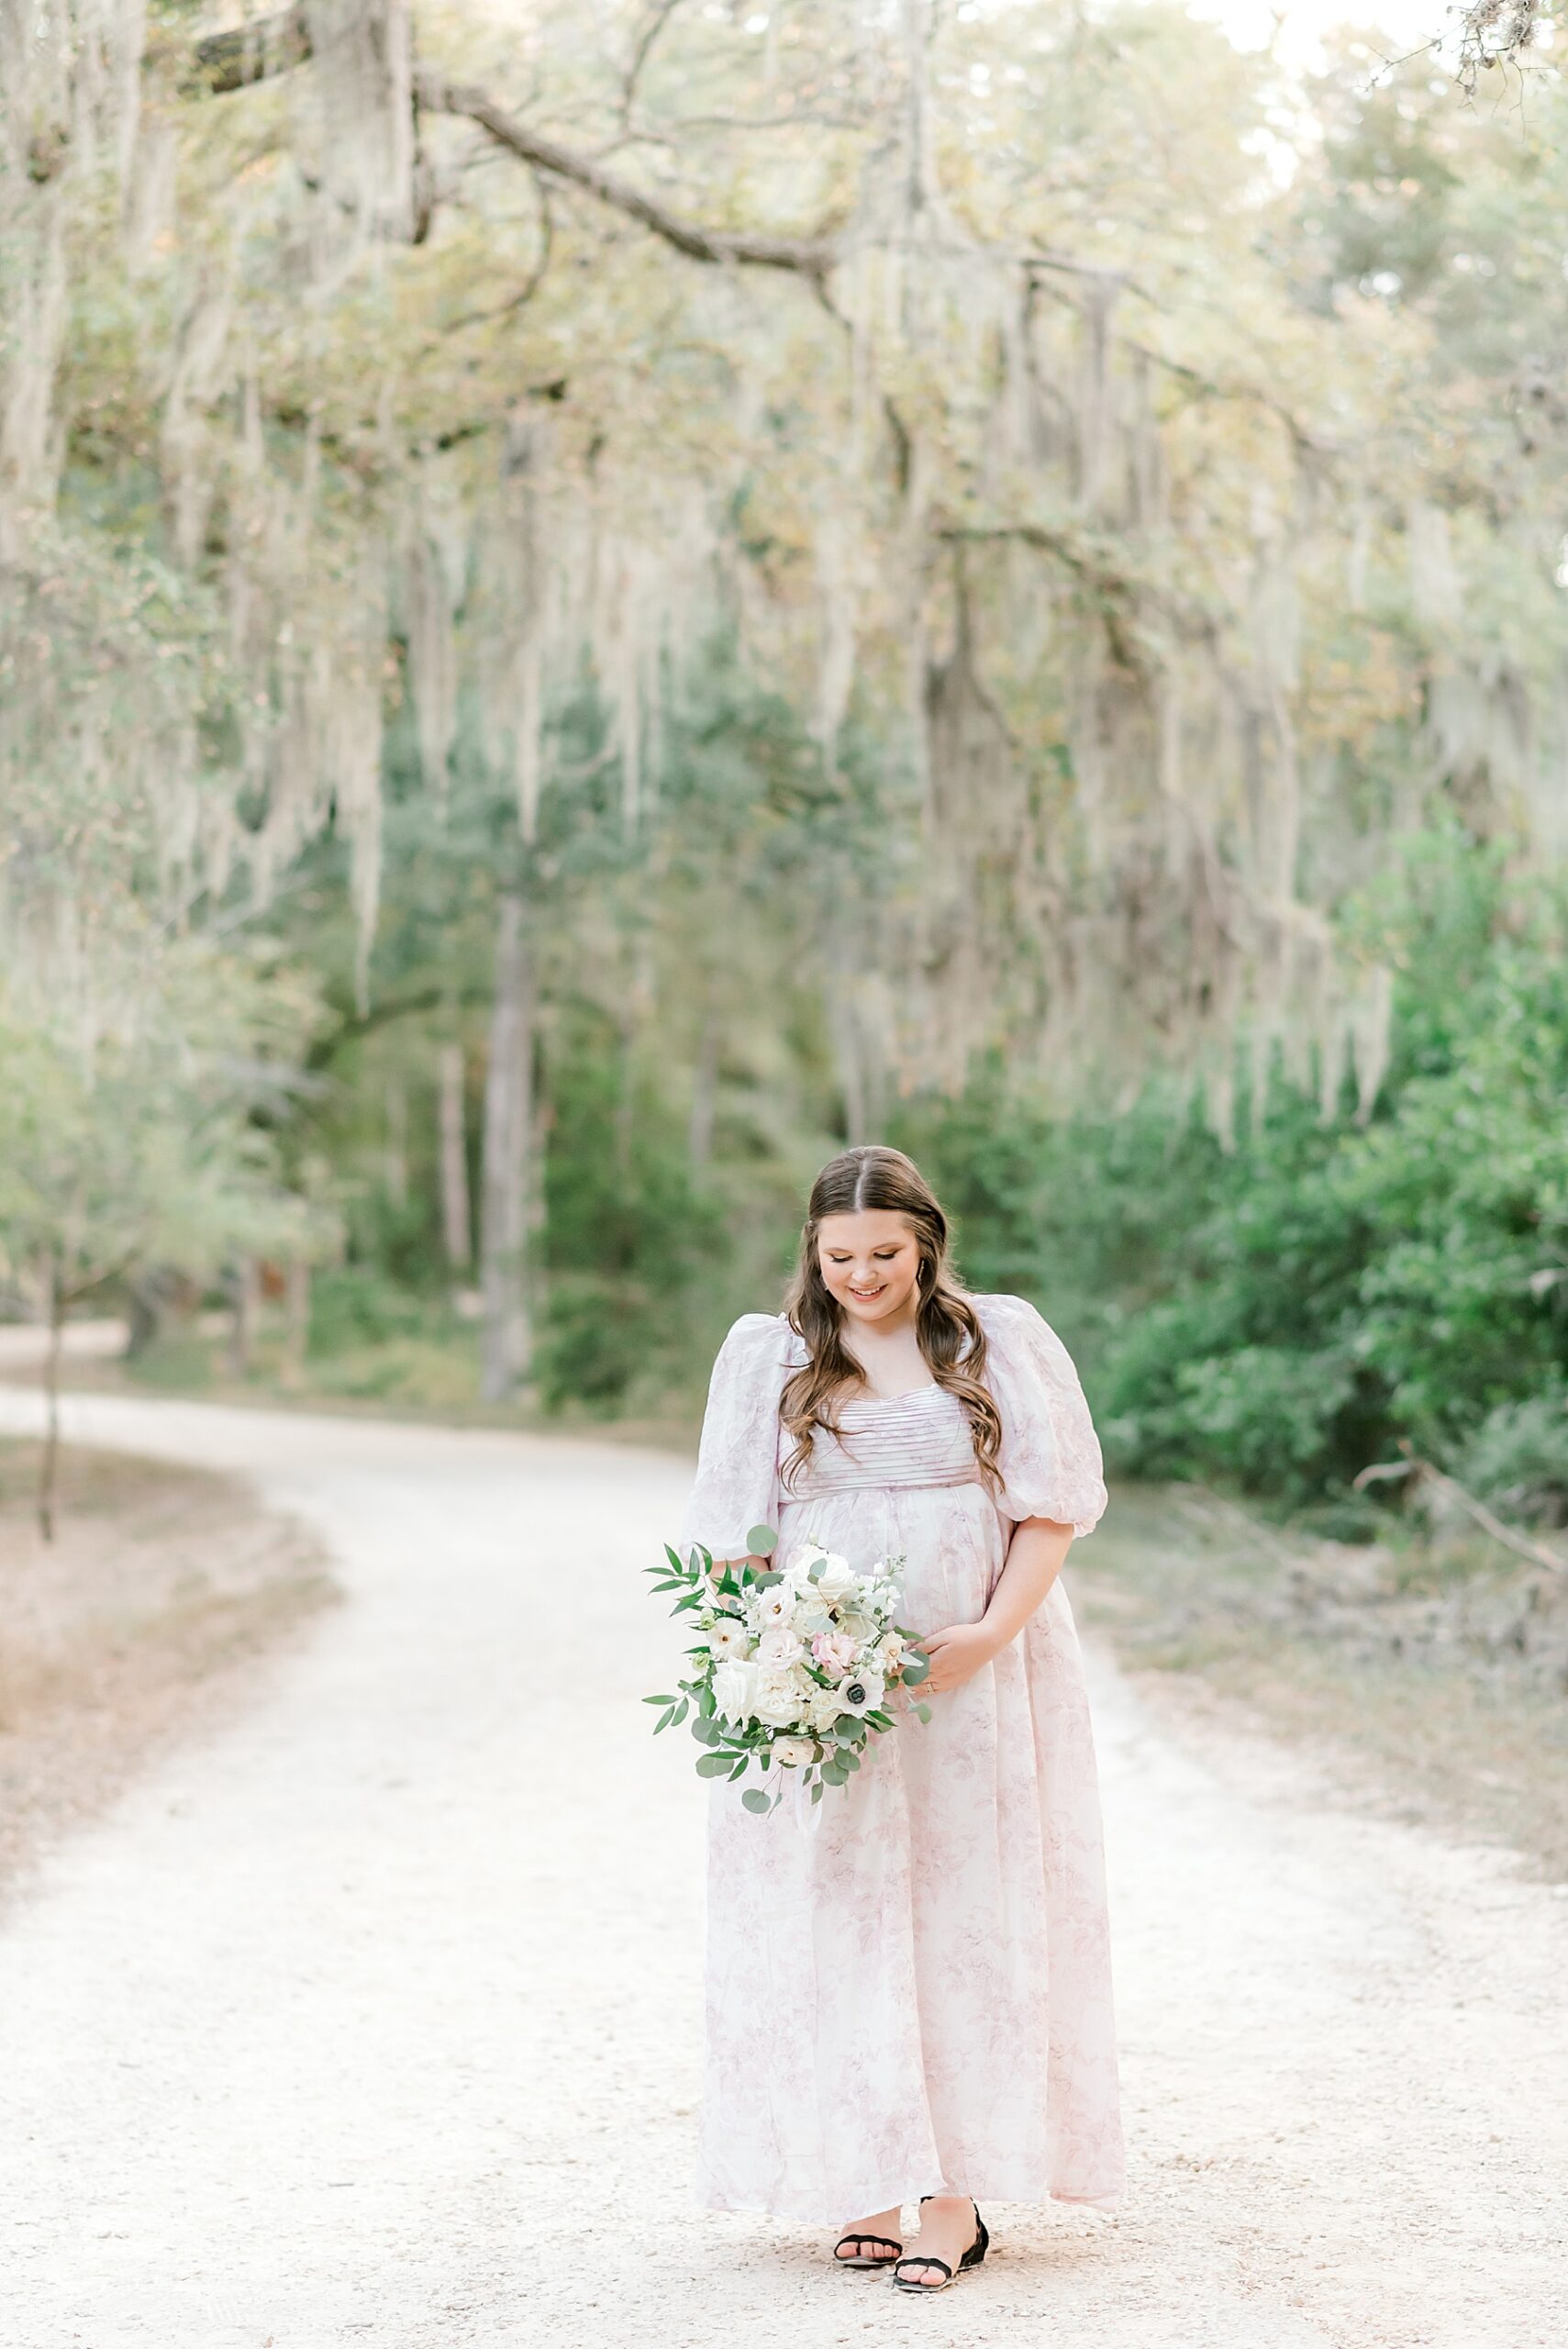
[760,1338]
[1013,1324]
[999,1311]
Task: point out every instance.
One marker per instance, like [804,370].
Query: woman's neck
[887,1353]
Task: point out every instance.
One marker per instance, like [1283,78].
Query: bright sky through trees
[1397,27]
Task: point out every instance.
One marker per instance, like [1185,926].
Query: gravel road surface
[372,2017]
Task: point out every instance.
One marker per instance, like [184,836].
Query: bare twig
[1493,32]
[659,17]
[531,283]
[1421,1471]
[1306,443]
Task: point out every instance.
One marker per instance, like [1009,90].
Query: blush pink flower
[834,1651]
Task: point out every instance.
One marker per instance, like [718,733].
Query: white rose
[778,1649]
[861,1693]
[823,1707]
[735,1690]
[777,1700]
[798,1570]
[837,1579]
[861,1629]
[792,1751]
[728,1637]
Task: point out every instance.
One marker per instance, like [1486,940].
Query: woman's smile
[870,1261]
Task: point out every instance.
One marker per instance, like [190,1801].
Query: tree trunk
[49,1460]
[705,1096]
[395,1158]
[146,1314]
[456,1222]
[245,1286]
[626,1081]
[296,1308]
[509,1142]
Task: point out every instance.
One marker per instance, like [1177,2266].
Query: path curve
[372,2017]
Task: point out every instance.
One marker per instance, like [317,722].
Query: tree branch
[1121,596]
[226,62]
[222,62]
[324,1049]
[809,257]
[1421,1471]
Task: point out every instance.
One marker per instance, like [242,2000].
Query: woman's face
[871,1263]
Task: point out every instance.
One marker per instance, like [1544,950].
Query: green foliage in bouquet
[793,1666]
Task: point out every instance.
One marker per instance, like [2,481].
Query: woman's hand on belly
[957,1654]
[1032,1563]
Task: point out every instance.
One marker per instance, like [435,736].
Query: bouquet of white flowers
[793,1666]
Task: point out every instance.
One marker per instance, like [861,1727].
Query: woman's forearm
[1032,1563]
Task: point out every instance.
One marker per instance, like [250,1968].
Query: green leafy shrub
[1281,1314]
[355,1306]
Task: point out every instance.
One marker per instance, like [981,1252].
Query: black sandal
[858,2260]
[971,2258]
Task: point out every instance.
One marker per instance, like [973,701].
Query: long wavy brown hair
[946,1324]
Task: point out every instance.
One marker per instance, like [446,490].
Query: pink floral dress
[915,1999]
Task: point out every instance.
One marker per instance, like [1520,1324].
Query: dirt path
[374,2017]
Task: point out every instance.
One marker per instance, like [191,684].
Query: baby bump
[950,1537]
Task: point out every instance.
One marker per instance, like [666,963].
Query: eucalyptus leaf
[755,1800]
[713,1766]
[762,1541]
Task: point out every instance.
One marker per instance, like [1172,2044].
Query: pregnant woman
[912,2004]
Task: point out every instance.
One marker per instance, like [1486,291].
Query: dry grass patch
[1428,1677]
[140,1621]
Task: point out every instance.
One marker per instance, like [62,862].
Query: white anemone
[728,1637]
[862,1693]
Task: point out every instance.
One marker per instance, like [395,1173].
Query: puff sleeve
[736,1479]
[1050,1456]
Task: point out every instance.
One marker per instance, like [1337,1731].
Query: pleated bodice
[889,1442]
